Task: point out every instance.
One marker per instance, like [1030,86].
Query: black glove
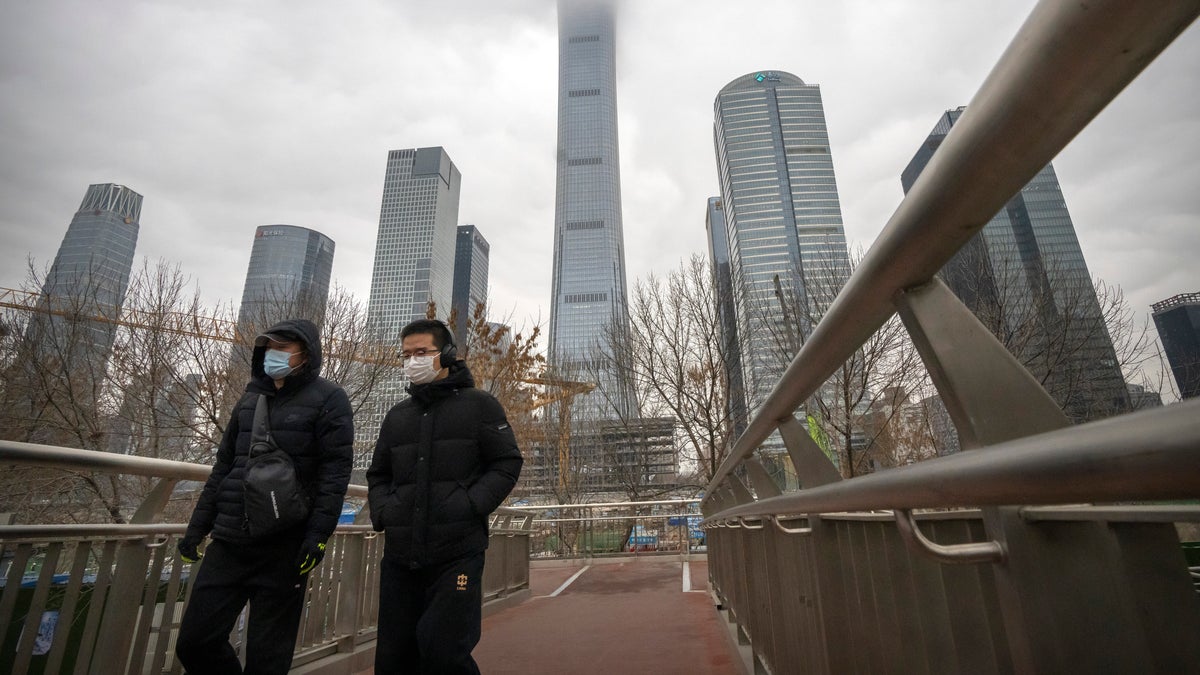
[188,550]
[311,553]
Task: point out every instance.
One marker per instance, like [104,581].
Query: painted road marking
[687,580]
[568,582]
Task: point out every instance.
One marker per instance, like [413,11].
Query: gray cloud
[227,116]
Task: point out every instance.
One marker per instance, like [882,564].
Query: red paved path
[626,617]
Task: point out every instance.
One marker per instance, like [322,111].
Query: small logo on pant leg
[462,582]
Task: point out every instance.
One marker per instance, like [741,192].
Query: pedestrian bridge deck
[633,615]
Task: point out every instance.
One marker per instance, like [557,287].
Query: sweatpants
[268,577]
[429,618]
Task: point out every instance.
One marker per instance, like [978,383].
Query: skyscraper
[588,285]
[470,278]
[718,253]
[786,246]
[414,250]
[57,381]
[90,274]
[1025,278]
[1178,321]
[288,276]
[414,265]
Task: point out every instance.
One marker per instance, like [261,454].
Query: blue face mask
[275,364]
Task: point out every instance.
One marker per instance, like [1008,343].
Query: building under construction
[604,457]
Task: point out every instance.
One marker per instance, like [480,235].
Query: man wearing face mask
[445,459]
[311,419]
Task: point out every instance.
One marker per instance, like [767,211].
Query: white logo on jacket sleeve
[502,427]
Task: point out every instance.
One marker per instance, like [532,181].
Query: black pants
[429,618]
[267,576]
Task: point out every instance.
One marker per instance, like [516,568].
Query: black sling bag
[274,498]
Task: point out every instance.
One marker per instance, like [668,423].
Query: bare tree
[1075,336]
[155,380]
[679,363]
[352,358]
[553,471]
[853,413]
[60,390]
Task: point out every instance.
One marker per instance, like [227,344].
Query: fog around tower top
[227,117]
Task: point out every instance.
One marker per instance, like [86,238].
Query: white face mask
[419,369]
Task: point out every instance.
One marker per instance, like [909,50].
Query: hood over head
[301,330]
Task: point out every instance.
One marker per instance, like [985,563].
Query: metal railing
[109,598]
[846,576]
[600,529]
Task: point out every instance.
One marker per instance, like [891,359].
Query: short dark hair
[441,334]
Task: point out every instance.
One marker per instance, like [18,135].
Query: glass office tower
[414,265]
[718,254]
[1025,278]
[786,246]
[1178,322]
[470,278]
[90,273]
[588,285]
[288,276]
[414,250]
[58,379]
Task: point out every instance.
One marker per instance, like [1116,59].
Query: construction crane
[223,330]
[181,323]
[553,390]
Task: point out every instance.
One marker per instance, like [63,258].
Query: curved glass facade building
[783,220]
[588,285]
[1178,322]
[288,276]
[90,273]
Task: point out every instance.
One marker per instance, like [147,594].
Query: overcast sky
[230,115]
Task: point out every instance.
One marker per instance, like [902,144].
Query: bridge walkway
[629,615]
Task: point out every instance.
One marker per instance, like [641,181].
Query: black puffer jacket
[445,459]
[311,419]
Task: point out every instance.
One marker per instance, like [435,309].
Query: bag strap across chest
[260,432]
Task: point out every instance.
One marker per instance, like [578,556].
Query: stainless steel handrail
[969,553]
[33,454]
[1040,94]
[1087,463]
[778,521]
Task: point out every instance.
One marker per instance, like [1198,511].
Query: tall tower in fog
[588,299]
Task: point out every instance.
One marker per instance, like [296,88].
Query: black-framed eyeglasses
[405,356]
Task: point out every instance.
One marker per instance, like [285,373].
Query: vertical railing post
[350,589]
[829,588]
[120,608]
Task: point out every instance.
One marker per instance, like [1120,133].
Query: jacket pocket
[466,490]
[453,504]
[383,511]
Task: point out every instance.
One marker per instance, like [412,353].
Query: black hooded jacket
[311,419]
[445,459]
